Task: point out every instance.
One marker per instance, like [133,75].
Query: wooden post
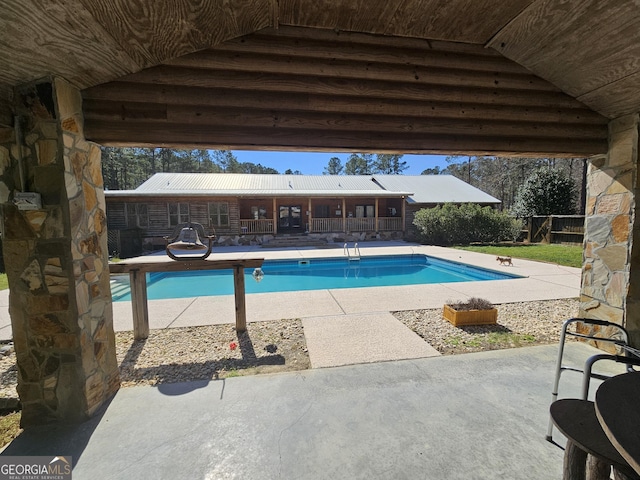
[344,215]
[404,213]
[276,218]
[550,226]
[241,311]
[375,213]
[530,228]
[138,280]
[309,217]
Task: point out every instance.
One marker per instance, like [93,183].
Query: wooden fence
[554,229]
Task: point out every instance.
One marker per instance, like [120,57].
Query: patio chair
[185,243]
[628,356]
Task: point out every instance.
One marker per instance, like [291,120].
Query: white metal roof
[417,188]
[435,189]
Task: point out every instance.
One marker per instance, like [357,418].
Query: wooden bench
[576,420]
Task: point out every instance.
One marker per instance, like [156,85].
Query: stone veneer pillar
[56,259]
[611,268]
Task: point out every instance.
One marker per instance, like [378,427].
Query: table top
[576,420]
[618,410]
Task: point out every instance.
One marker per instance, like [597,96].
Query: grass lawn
[4,283]
[568,255]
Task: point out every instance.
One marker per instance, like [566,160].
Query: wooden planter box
[470,317]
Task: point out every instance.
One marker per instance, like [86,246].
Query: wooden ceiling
[385,75]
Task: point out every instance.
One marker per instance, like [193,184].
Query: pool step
[119,288]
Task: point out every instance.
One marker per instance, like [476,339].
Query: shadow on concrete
[60,440]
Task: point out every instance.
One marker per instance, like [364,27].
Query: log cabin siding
[158,211]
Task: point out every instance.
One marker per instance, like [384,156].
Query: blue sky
[311,163]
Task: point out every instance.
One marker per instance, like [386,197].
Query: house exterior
[253,209]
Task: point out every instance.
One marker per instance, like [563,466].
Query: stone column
[611,268]
[56,259]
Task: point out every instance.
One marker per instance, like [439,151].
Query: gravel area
[519,324]
[204,353]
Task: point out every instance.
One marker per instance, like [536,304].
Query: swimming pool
[314,274]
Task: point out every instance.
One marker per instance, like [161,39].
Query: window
[322,211]
[137,215]
[219,214]
[259,213]
[178,213]
[365,211]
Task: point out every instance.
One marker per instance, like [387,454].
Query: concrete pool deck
[328,314]
[543,281]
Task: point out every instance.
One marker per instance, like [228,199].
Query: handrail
[356,251]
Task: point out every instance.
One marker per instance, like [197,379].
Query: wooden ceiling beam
[442,74]
[154,114]
[269,82]
[277,91]
[428,56]
[182,135]
[122,93]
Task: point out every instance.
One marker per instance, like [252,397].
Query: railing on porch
[389,224]
[256,226]
[361,224]
[327,225]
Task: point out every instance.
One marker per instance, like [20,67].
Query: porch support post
[376,215]
[310,217]
[275,216]
[404,215]
[56,259]
[344,215]
[611,268]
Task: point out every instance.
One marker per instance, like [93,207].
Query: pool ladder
[356,251]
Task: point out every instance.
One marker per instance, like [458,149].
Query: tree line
[505,177]
[127,168]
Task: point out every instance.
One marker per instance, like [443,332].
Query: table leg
[597,469]
[575,462]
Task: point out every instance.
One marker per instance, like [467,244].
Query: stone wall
[610,221]
[56,259]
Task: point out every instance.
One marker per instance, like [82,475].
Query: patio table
[576,420]
[618,411]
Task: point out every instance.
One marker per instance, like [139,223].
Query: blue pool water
[315,274]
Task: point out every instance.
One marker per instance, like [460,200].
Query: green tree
[227,161]
[432,171]
[334,167]
[359,164]
[546,191]
[288,171]
[389,164]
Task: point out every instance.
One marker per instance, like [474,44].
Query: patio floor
[474,416]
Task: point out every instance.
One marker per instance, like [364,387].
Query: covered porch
[304,215]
